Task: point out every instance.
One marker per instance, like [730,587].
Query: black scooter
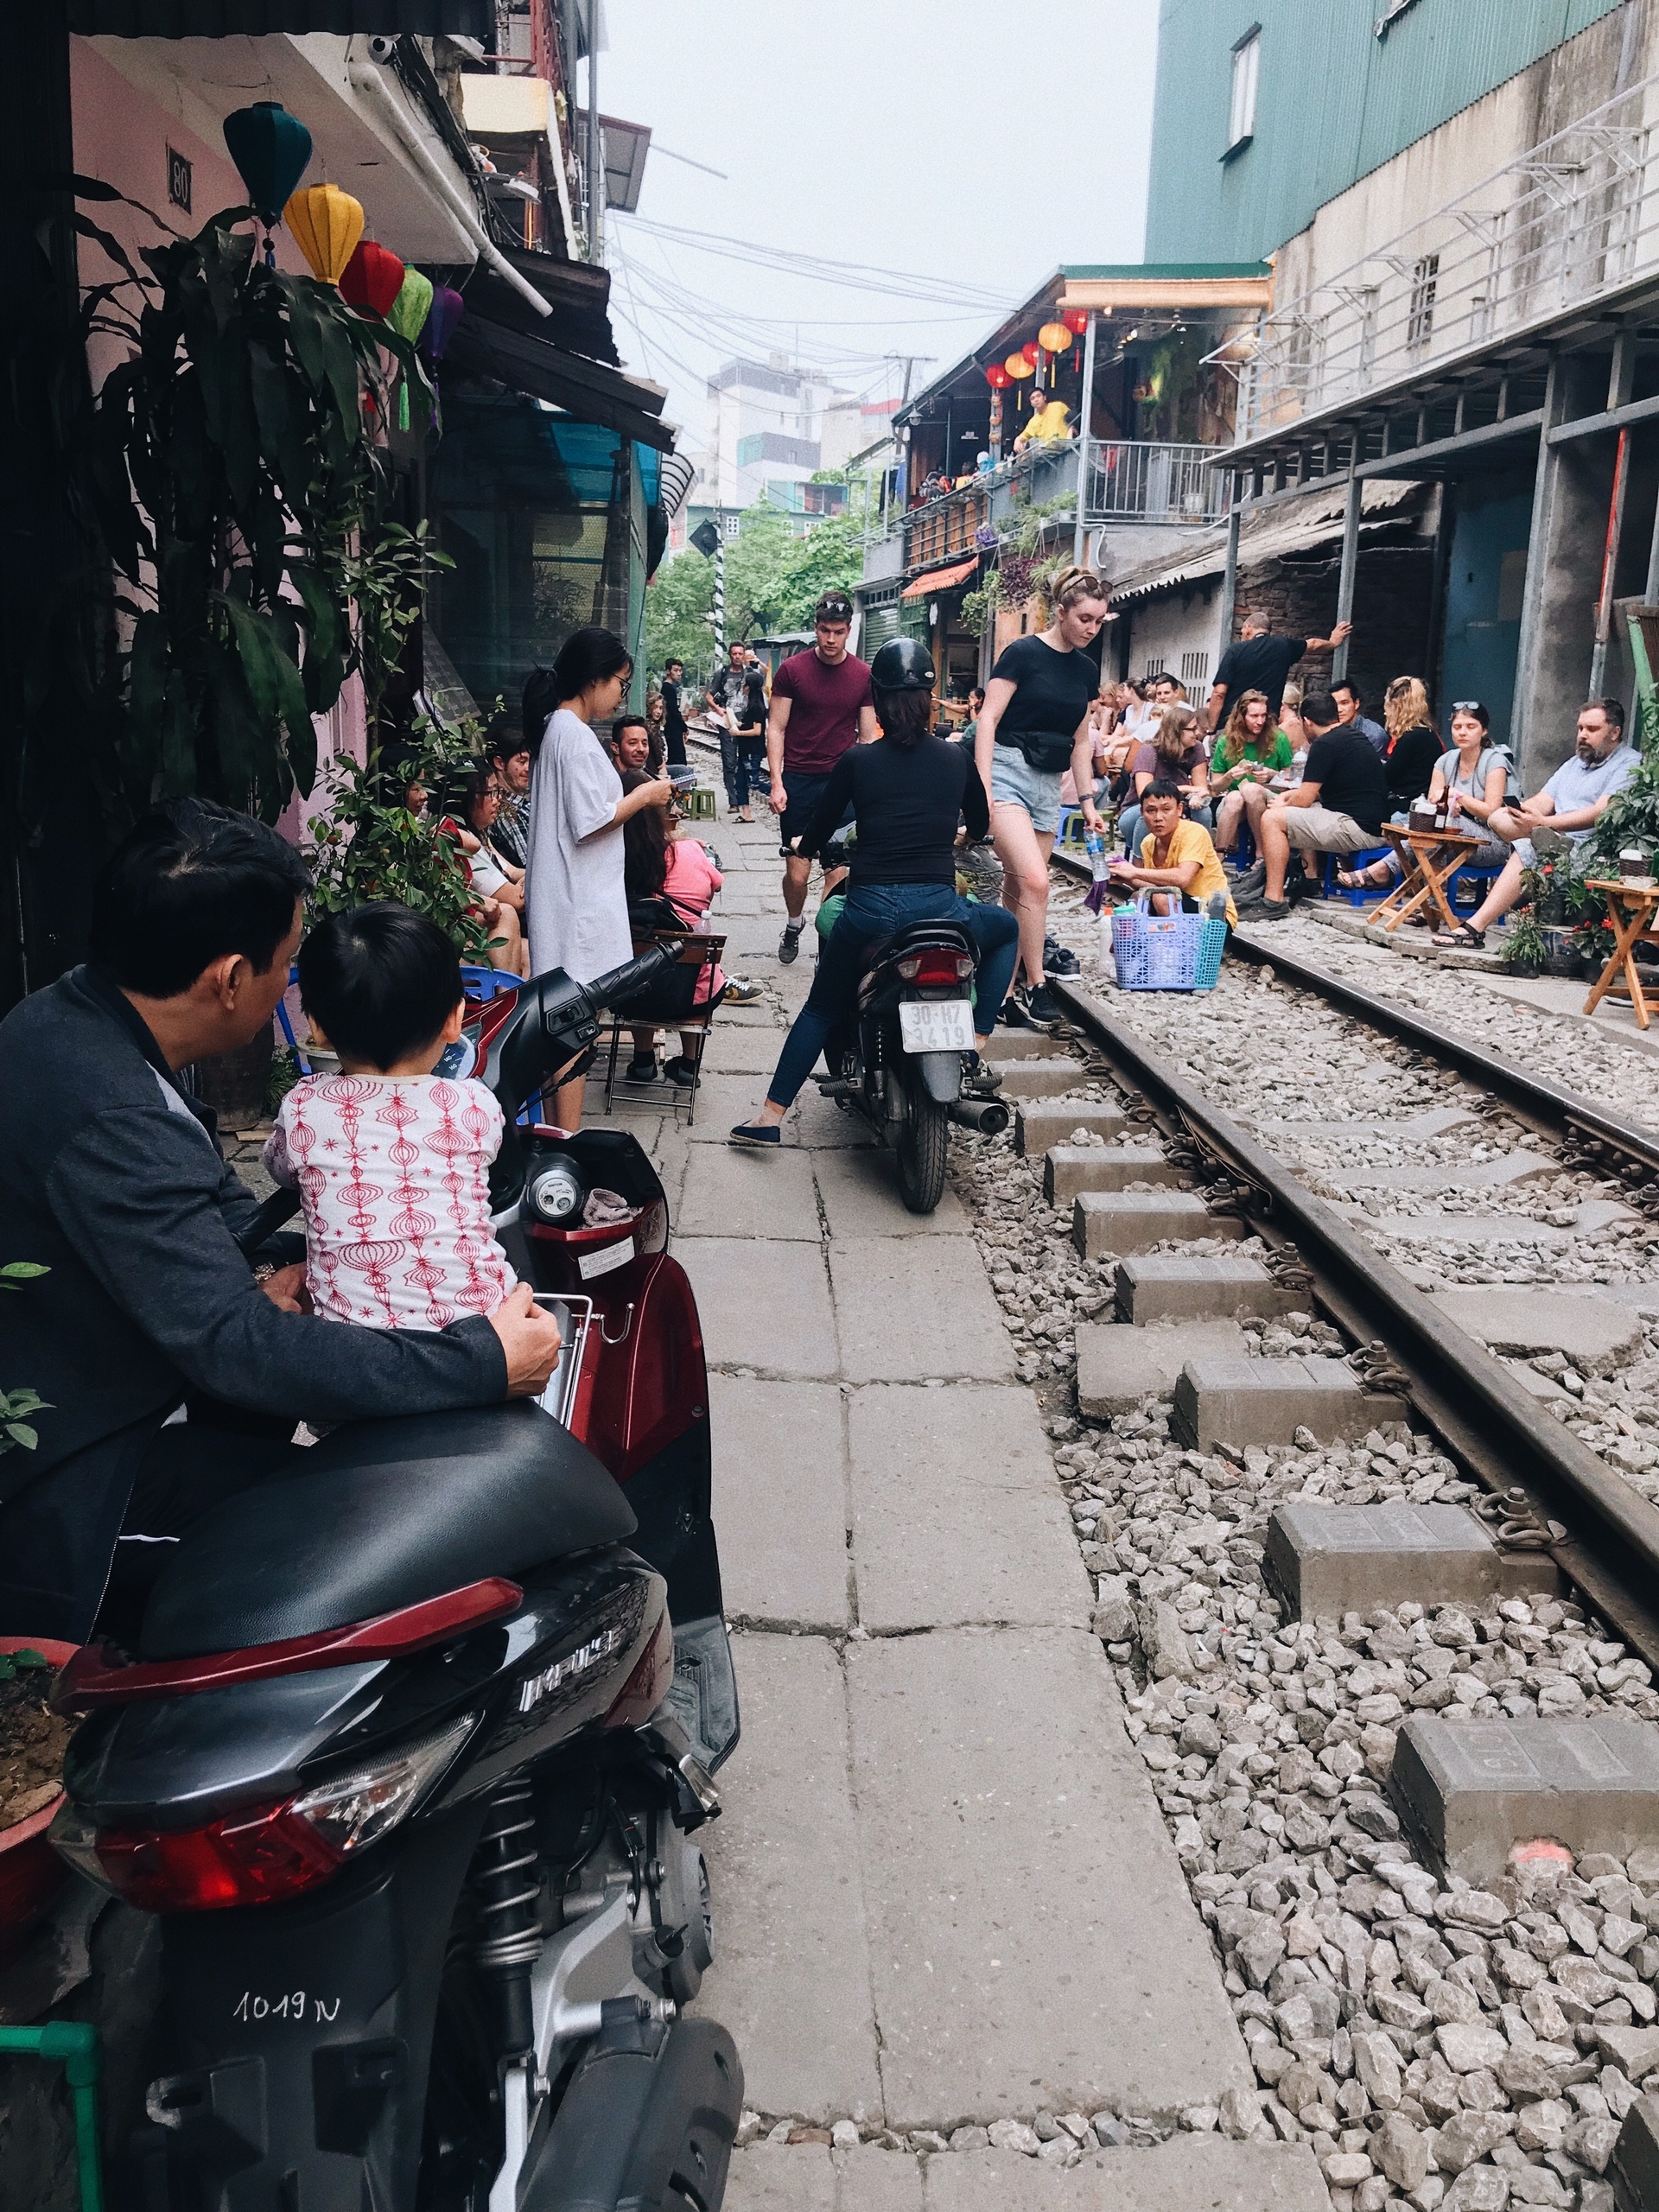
[898,1061]
[411,1758]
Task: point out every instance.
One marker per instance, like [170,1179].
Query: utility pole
[595,144]
[719,590]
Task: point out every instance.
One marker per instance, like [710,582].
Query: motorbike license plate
[936,1025]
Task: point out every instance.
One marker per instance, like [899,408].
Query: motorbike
[413,1749]
[898,1061]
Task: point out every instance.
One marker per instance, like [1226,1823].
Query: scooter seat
[943,931]
[380,1515]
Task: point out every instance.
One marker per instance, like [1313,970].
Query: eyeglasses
[1468,707]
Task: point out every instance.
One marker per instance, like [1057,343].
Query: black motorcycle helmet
[902,664]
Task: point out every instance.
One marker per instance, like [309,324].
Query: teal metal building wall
[1334,101]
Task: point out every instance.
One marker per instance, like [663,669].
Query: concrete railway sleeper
[1351,1656]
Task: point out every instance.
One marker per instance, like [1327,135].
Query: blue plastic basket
[1166,952]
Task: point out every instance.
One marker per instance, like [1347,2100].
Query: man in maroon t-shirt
[820,705]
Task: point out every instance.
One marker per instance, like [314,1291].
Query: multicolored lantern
[1053,338]
[448,307]
[997,377]
[271,148]
[325,224]
[408,312]
[1017,366]
[372,279]
[1076,320]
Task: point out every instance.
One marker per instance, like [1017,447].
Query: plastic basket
[1166,952]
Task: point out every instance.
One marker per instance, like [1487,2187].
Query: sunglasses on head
[1468,707]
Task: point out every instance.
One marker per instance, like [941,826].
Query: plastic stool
[1474,877]
[484,983]
[699,804]
[1362,894]
[1071,831]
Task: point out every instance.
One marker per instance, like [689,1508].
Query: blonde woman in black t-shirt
[1034,724]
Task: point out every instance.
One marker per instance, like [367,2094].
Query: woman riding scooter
[907,790]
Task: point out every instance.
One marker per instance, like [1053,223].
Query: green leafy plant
[17,1432]
[370,844]
[1524,943]
[980,605]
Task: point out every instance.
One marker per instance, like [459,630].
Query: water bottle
[1094,846]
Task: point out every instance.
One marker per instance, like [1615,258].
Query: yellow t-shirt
[1190,842]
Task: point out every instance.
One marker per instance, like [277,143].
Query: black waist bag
[1048,754]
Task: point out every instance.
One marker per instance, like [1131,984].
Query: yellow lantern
[326,224]
[1054,338]
[1018,366]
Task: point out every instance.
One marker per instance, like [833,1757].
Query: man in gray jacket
[111,1179]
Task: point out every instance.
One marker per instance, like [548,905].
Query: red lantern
[997,377]
[1032,353]
[372,279]
[1075,320]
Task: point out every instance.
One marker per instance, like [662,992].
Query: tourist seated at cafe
[1413,747]
[1567,807]
[1248,754]
[1177,861]
[1472,783]
[1177,753]
[1338,807]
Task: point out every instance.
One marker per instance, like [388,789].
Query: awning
[577,291]
[482,348]
[1297,527]
[939,579]
[265,18]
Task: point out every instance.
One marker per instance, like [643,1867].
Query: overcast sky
[976,145]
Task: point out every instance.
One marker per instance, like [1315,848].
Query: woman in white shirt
[576,907]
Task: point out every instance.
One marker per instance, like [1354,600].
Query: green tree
[679,614]
[773,579]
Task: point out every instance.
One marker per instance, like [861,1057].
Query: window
[1195,668]
[1247,63]
[1425,286]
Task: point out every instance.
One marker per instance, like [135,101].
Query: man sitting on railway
[1569,806]
[1338,807]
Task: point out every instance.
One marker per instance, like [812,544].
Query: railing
[1570,221]
[1141,482]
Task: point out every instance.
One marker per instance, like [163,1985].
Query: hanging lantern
[1017,366]
[997,377]
[271,148]
[446,309]
[408,312]
[372,279]
[326,224]
[1076,320]
[1053,338]
[1031,352]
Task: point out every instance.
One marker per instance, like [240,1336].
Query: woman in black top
[906,791]
[1414,748]
[1033,726]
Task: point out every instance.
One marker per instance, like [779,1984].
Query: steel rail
[1464,1393]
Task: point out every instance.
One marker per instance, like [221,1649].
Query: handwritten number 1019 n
[290,2006]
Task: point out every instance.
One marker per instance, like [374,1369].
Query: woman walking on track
[1035,723]
[575,900]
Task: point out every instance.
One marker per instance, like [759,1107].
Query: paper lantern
[1075,320]
[408,312]
[271,148]
[997,377]
[448,307]
[326,224]
[1018,366]
[1053,338]
[1029,353]
[372,279]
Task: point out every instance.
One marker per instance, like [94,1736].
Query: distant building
[765,427]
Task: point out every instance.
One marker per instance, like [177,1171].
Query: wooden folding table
[1429,858]
[1630,909]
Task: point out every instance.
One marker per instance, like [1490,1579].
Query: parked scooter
[414,1747]
[899,1059]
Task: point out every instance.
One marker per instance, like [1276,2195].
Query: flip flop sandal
[1460,939]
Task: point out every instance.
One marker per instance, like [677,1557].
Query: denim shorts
[1014,782]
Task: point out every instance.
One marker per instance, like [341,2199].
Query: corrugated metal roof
[1310,522]
[265,18]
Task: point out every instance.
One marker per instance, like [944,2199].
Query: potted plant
[32,1742]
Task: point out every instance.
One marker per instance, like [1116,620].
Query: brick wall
[1392,587]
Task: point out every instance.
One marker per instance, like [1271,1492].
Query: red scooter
[413,1746]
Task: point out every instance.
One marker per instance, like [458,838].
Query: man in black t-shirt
[1261,661]
[674,713]
[1338,806]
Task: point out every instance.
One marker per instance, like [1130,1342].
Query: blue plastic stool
[485,983]
[1364,894]
[1071,831]
[1474,875]
[1243,855]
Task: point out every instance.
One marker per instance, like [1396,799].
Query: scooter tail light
[259,1854]
[936,969]
[647,1684]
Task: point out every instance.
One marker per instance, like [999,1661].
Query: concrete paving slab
[764,1304]
[780,1501]
[1540,1386]
[1595,1334]
[1164,1286]
[1069,1169]
[1118,1365]
[1243,1402]
[1436,1175]
[781,2177]
[1640,1297]
[1105,1224]
[1032,1941]
[731,1192]
[791,1972]
[1325,1561]
[1470,1789]
[1042,1078]
[750,1050]
[813,1123]
[957,1516]
[1416,1128]
[1190,2173]
[911,1308]
[859,1191]
[1473,1228]
[1038,1125]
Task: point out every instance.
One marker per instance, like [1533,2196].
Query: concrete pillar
[1230,573]
[1085,409]
[1350,515]
[1564,559]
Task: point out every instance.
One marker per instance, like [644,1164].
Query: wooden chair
[697,950]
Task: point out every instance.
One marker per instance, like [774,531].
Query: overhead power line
[852,276]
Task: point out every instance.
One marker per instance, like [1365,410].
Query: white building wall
[1180,634]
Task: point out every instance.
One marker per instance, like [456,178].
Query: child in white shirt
[391,1162]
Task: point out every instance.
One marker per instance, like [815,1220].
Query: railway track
[1470,1400]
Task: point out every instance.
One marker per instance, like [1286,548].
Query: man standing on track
[674,713]
[752,721]
[727,696]
[820,704]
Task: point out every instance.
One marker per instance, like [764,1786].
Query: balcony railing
[1570,221]
[1141,482]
